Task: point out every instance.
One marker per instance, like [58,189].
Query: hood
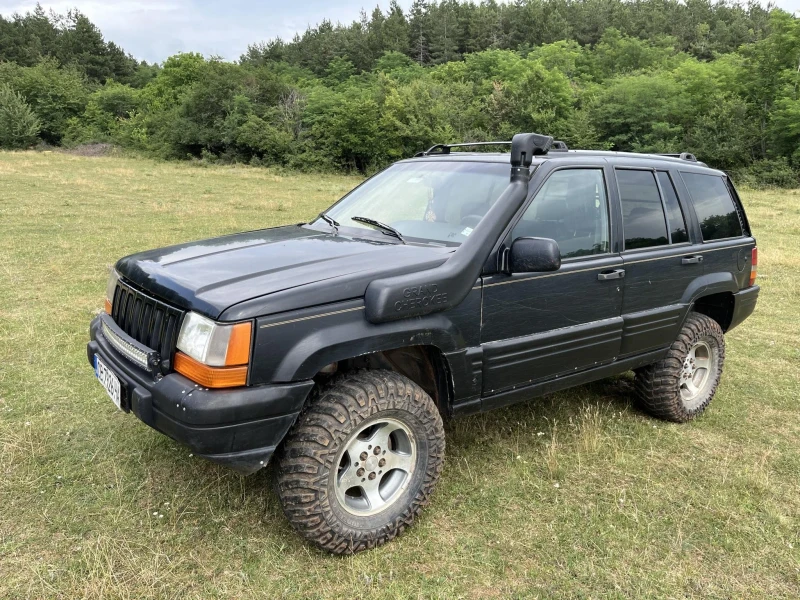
[271,270]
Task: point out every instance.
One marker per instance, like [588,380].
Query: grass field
[574,495]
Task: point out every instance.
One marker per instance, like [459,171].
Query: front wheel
[680,386]
[361,462]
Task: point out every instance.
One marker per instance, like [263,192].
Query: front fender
[296,346]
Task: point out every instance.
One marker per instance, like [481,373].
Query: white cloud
[155,29]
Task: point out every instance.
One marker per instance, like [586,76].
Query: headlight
[111,287]
[214,344]
[213,354]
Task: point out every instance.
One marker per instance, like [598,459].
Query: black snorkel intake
[445,286]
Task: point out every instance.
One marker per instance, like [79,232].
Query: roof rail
[558,146]
[541,147]
[445,148]
[683,156]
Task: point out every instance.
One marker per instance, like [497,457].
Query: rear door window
[643,221]
[713,205]
[677,224]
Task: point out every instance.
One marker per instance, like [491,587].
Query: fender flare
[299,347]
[349,340]
[711,283]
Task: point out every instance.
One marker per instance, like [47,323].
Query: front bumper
[238,427]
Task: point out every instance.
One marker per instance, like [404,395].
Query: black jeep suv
[450,283]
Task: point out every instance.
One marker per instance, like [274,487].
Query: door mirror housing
[534,255]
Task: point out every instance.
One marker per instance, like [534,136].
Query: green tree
[420,113]
[106,110]
[395,30]
[445,32]
[785,126]
[339,70]
[617,113]
[419,29]
[200,118]
[19,125]
[768,64]
[618,54]
[342,127]
[56,94]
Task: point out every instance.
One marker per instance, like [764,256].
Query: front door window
[571,208]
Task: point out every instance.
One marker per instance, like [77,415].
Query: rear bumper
[238,427]
[744,305]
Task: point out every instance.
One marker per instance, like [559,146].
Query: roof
[503,157]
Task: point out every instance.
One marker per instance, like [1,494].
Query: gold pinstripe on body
[328,314]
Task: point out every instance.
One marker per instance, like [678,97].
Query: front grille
[148,321]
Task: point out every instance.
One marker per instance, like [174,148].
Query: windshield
[439,201]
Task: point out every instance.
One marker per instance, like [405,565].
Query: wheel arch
[712,295]
[425,365]
[718,306]
[311,349]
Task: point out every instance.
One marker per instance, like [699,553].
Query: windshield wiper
[387,229]
[330,221]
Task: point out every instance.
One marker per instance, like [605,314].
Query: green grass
[574,495]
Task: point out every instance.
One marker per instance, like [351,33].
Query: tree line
[714,78]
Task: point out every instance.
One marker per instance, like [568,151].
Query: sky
[152,30]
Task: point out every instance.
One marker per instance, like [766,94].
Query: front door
[537,326]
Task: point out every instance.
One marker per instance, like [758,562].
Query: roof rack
[544,148]
[445,148]
[683,156]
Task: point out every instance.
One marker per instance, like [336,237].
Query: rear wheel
[680,386]
[361,462]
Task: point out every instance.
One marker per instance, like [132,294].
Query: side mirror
[532,255]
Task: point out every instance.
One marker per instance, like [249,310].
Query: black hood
[274,269]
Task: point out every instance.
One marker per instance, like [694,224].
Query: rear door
[722,227]
[536,326]
[659,258]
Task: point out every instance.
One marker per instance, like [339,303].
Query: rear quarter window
[714,206]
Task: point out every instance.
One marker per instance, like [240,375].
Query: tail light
[754,266]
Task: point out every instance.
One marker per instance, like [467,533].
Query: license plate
[109,381]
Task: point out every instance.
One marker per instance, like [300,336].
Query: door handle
[692,260]
[615,274]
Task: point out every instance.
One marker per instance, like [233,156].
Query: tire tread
[308,453]
[657,386]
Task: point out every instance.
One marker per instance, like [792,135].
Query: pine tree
[374,34]
[19,125]
[419,26]
[445,32]
[395,30]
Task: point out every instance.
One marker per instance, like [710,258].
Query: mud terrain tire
[357,420]
[676,388]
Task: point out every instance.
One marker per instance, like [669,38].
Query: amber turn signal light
[239,345]
[108,307]
[211,377]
